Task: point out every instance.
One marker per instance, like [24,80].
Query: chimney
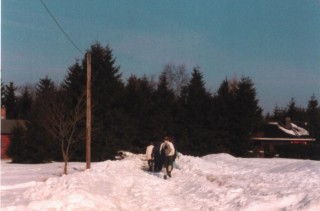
[288,123]
[3,112]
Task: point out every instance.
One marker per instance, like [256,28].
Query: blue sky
[275,43]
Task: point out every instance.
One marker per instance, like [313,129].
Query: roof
[274,131]
[8,124]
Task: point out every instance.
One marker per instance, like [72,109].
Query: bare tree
[31,88]
[64,120]
[233,84]
[176,76]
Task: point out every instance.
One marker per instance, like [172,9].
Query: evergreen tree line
[129,115]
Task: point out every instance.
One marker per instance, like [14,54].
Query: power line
[63,31]
[60,27]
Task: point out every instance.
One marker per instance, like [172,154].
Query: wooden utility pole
[88,112]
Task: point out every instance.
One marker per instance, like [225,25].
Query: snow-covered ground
[214,182]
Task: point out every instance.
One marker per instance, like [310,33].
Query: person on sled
[168,149]
[149,156]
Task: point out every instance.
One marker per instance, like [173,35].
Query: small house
[7,126]
[273,135]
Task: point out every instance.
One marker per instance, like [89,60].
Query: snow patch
[295,130]
[213,182]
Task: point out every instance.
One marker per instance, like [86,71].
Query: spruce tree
[138,121]
[195,104]
[313,112]
[106,97]
[247,115]
[29,145]
[238,115]
[24,104]
[224,105]
[45,90]
[32,144]
[75,80]
[10,101]
[2,93]
[17,149]
[296,113]
[164,101]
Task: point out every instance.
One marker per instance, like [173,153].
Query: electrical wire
[60,27]
[63,31]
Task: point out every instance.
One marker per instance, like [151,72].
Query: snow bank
[213,182]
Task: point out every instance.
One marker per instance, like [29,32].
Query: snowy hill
[213,182]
